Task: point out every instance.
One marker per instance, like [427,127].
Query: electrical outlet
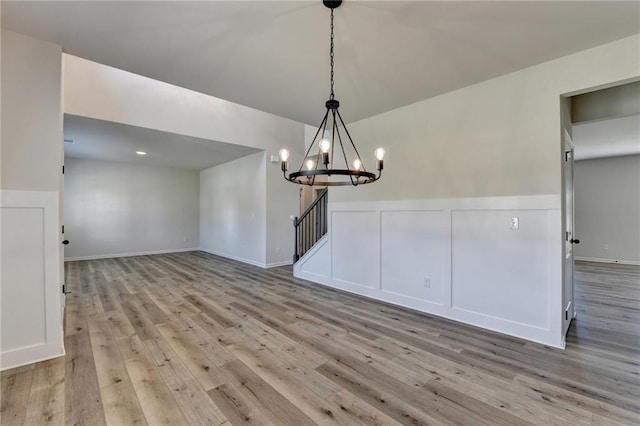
[606,247]
[278,250]
[515,223]
[427,282]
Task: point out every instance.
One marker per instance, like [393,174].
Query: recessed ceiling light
[141,152]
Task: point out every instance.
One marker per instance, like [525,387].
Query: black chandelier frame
[356,176]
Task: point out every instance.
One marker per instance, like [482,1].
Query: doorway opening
[601,204]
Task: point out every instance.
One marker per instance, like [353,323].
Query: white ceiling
[273,56]
[607,138]
[104,140]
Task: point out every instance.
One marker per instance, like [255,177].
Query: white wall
[31,117]
[101,92]
[607,209]
[283,200]
[495,138]
[31,296]
[115,209]
[233,209]
[105,93]
[245,206]
[494,141]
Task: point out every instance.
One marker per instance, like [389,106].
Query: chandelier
[331,148]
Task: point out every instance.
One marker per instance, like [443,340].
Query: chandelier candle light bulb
[336,150]
[310,164]
[379,153]
[284,157]
[325,145]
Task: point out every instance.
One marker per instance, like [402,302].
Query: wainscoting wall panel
[316,260]
[457,258]
[498,271]
[23,289]
[355,249]
[32,298]
[413,251]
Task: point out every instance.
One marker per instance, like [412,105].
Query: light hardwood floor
[195,339]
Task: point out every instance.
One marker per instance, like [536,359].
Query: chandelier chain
[331,56]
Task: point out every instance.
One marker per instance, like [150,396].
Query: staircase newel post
[296,254]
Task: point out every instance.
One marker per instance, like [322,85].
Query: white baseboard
[29,355]
[248,261]
[596,259]
[142,253]
[278,264]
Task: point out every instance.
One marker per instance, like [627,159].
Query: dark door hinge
[63,229]
[63,169]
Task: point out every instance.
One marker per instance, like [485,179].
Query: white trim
[535,202]
[314,248]
[596,259]
[141,253]
[548,333]
[298,267]
[53,344]
[31,354]
[277,264]
[248,261]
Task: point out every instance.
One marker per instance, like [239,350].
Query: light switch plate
[515,223]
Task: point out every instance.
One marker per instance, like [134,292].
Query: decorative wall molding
[456,258]
[32,299]
[31,354]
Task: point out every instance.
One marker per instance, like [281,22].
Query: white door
[569,237]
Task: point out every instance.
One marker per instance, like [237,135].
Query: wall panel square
[413,244]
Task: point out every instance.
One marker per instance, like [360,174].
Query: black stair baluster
[311,226]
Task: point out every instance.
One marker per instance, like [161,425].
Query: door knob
[574,241]
[65,242]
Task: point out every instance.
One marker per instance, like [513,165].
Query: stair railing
[311,226]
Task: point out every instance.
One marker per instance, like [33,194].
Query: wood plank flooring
[195,339]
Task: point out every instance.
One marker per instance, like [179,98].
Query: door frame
[568,280]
